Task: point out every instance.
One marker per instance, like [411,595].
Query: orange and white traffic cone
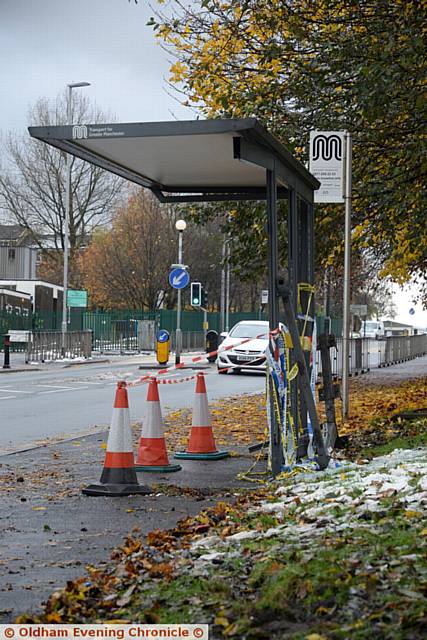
[152,454]
[118,477]
[202,443]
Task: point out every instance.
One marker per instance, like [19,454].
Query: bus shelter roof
[190,161]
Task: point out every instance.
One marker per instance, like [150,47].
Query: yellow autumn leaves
[241,420]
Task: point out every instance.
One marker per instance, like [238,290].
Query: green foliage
[322,64]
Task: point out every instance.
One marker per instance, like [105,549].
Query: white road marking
[62,389]
[51,386]
[7,397]
[16,391]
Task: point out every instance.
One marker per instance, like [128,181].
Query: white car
[249,355]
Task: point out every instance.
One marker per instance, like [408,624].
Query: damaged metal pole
[304,378]
[325,343]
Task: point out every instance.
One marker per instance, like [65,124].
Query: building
[45,296]
[393,328]
[15,302]
[15,235]
[18,258]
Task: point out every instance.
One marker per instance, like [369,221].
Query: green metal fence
[107,322]
[118,327]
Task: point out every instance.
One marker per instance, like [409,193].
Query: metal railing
[47,345]
[191,340]
[123,336]
[360,357]
[366,353]
[401,348]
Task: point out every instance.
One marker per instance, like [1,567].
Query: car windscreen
[249,331]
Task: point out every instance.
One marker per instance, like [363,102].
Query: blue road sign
[179,278]
[412,311]
[162,335]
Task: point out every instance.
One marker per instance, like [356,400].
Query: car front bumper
[250,362]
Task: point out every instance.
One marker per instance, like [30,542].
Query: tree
[365,288]
[126,266]
[323,64]
[32,188]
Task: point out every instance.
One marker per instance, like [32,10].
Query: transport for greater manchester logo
[79,131]
[327,147]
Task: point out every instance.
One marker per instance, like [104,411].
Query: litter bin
[163,346]
[211,343]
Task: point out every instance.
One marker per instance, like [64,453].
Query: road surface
[66,402]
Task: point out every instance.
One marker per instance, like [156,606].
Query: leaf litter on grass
[334,555]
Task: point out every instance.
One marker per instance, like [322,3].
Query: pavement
[17,361]
[396,373]
[50,531]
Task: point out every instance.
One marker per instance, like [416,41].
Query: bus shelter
[205,161]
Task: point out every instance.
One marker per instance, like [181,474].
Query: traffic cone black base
[217,455]
[163,469]
[201,445]
[113,490]
[118,476]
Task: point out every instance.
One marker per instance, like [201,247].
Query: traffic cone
[202,444]
[118,477]
[152,454]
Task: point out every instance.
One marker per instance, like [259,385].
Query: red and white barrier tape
[170,381]
[182,365]
[138,381]
[147,378]
[205,356]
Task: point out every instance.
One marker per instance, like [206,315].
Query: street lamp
[70,87]
[225,286]
[180,226]
[227,291]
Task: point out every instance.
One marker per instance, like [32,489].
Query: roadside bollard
[163,346]
[6,348]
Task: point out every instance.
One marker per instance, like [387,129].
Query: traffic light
[196,294]
[204,298]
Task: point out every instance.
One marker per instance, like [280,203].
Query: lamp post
[70,87]
[180,226]
[227,291]
[225,286]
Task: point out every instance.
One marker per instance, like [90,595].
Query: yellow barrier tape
[292,374]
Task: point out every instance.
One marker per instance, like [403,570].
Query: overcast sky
[45,44]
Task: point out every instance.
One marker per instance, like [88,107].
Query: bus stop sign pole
[346,296]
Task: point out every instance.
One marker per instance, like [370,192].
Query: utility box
[163,343]
[146,331]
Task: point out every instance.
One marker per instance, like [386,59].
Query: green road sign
[76,298]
